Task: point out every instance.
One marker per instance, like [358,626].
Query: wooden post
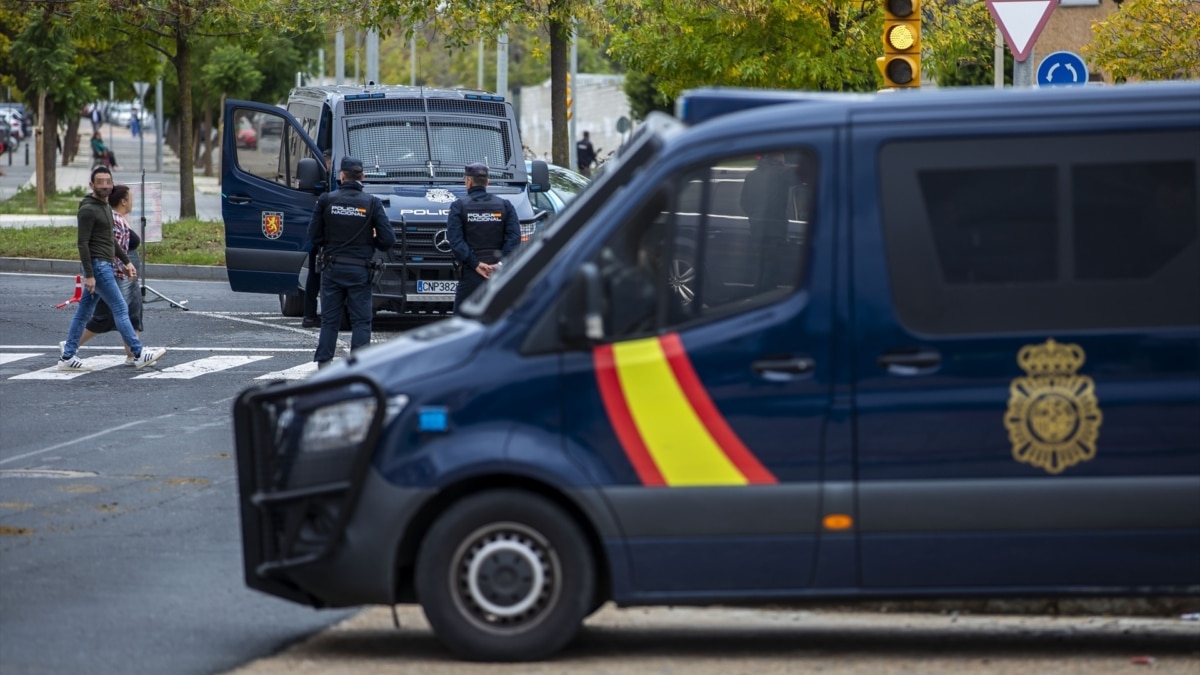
[38,154]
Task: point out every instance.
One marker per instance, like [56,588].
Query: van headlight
[343,424]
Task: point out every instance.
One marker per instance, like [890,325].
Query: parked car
[7,142]
[564,185]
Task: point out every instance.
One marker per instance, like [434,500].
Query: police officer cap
[352,164]
[477,169]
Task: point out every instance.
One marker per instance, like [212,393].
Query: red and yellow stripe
[670,429]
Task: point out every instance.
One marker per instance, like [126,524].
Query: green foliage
[1149,40]
[958,44]
[230,70]
[827,45]
[644,95]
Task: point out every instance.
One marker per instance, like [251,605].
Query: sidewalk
[131,154]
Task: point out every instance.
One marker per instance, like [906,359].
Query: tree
[957,41]
[644,96]
[827,45]
[173,28]
[1149,40]
[462,23]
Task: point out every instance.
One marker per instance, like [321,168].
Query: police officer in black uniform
[481,228]
[347,224]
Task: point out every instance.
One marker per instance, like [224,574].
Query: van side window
[719,240]
[260,146]
[1066,232]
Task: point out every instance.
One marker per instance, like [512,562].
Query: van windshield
[429,147]
[508,283]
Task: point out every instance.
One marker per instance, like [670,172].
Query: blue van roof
[779,110]
[347,91]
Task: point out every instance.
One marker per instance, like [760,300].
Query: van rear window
[1039,234]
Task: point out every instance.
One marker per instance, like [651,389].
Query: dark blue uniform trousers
[347,286]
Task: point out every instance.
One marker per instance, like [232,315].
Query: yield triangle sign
[1020,21]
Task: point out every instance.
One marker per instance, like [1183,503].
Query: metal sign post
[1021,21]
[141,88]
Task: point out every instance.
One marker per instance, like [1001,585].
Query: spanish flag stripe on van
[670,429]
[712,418]
[621,420]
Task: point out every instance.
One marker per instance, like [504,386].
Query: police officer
[481,228]
[347,224]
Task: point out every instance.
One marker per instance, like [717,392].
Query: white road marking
[172,349]
[98,434]
[299,372]
[192,369]
[9,358]
[103,362]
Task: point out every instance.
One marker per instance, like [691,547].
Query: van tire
[291,304]
[505,575]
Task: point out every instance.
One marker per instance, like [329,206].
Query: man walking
[585,154]
[96,251]
[481,228]
[348,224]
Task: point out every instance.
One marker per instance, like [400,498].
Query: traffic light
[901,60]
[570,100]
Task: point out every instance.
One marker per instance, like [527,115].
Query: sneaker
[130,361]
[73,365]
[148,356]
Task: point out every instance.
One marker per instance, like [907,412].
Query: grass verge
[24,202]
[185,242]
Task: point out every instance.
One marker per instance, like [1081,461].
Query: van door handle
[910,361]
[240,199]
[783,369]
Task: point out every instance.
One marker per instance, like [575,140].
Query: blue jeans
[346,286]
[107,288]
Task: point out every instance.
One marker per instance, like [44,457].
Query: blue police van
[414,143]
[938,344]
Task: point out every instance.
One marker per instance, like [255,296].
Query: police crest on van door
[1053,417]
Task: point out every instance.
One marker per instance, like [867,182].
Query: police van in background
[414,143]
[940,344]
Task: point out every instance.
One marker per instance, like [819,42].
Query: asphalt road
[120,550]
[119,539]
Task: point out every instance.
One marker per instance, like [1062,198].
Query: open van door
[266,213]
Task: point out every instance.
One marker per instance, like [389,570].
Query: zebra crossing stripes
[95,363]
[294,373]
[187,370]
[194,369]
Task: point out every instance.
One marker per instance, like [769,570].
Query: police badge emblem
[1053,416]
[440,196]
[272,224]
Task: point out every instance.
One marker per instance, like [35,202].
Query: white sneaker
[149,356]
[130,361]
[73,365]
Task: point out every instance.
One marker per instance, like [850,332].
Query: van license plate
[436,286]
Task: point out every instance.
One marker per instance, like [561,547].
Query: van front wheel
[291,304]
[505,576]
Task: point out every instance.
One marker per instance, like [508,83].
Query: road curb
[152,271]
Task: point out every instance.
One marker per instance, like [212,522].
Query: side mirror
[539,176]
[310,175]
[583,320]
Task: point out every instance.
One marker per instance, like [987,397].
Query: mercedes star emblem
[441,242]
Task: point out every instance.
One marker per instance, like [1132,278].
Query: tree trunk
[559,44]
[49,124]
[183,70]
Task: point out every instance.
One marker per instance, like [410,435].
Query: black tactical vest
[483,228]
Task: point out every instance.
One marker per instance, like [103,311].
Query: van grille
[378,105]
[420,242]
[471,107]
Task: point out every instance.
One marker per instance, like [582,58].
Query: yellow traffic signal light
[570,99]
[901,60]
